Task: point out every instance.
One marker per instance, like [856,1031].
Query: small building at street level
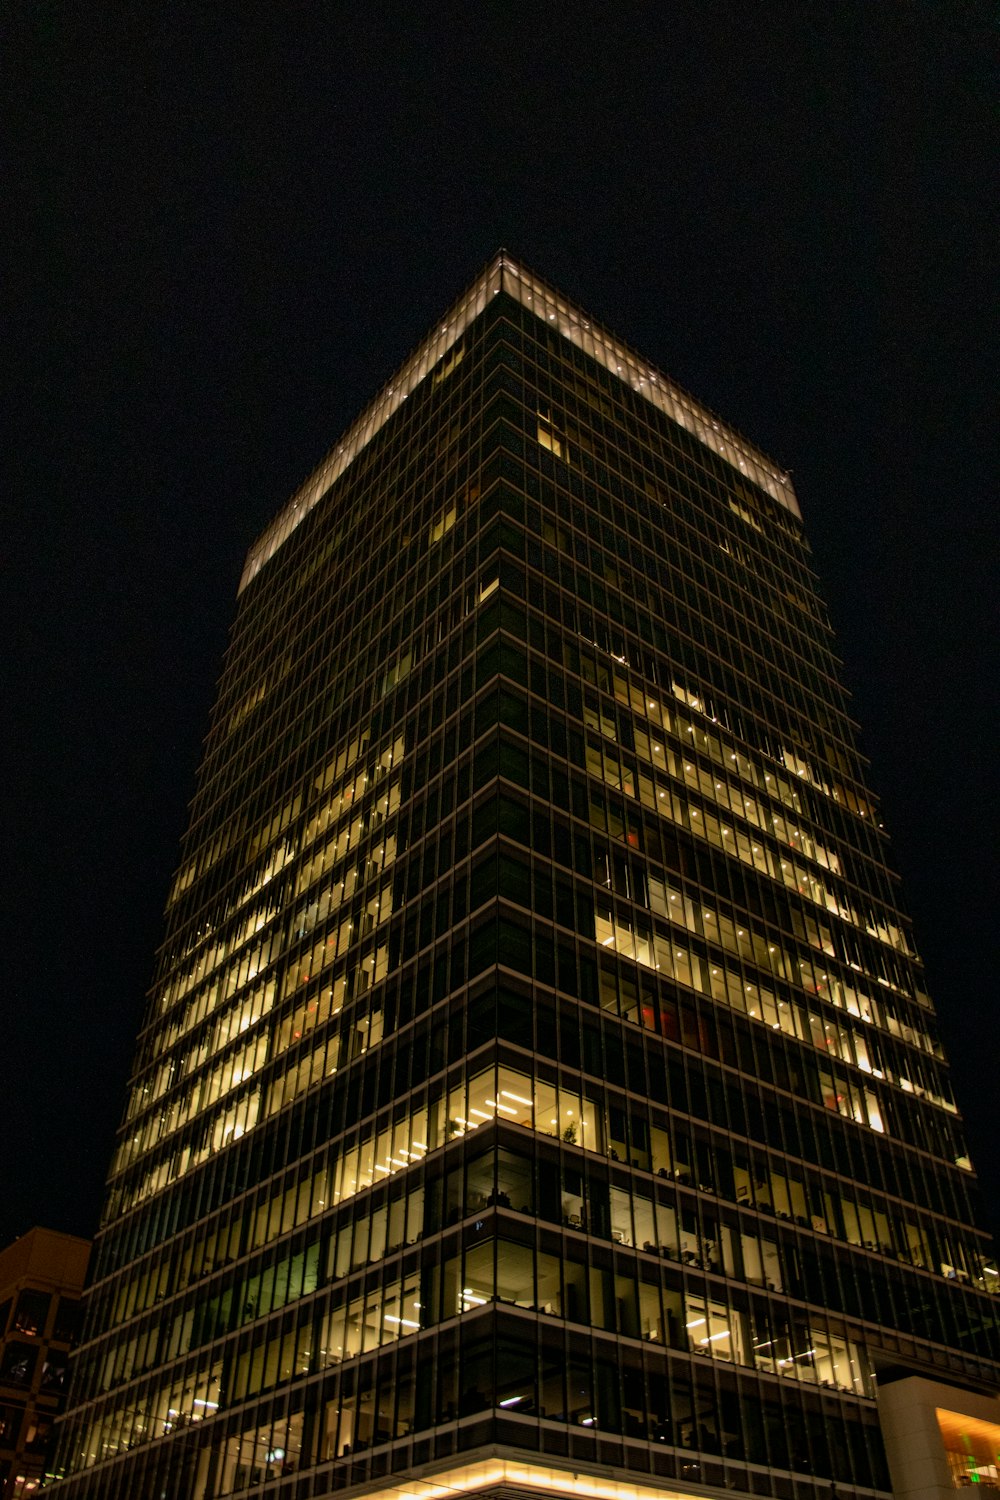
[41,1279]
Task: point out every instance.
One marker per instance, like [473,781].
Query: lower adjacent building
[41,1281]
[539,1091]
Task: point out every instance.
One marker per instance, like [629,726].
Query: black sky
[229,222]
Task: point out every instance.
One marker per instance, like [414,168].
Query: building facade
[538,1089]
[41,1281]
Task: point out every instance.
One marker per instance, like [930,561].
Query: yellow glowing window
[972,1447]
[548,437]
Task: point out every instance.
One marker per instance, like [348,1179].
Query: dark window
[39,1434]
[18,1363]
[54,1371]
[66,1327]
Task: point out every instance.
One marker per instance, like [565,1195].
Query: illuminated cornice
[504,274]
[506,1474]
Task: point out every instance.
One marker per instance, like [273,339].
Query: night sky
[230,222]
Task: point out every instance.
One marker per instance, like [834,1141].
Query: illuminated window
[548,437]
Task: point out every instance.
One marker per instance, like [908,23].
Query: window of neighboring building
[66,1327]
[32,1310]
[18,1363]
[24,1485]
[38,1433]
[54,1371]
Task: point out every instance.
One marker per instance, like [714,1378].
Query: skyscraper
[538,1088]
